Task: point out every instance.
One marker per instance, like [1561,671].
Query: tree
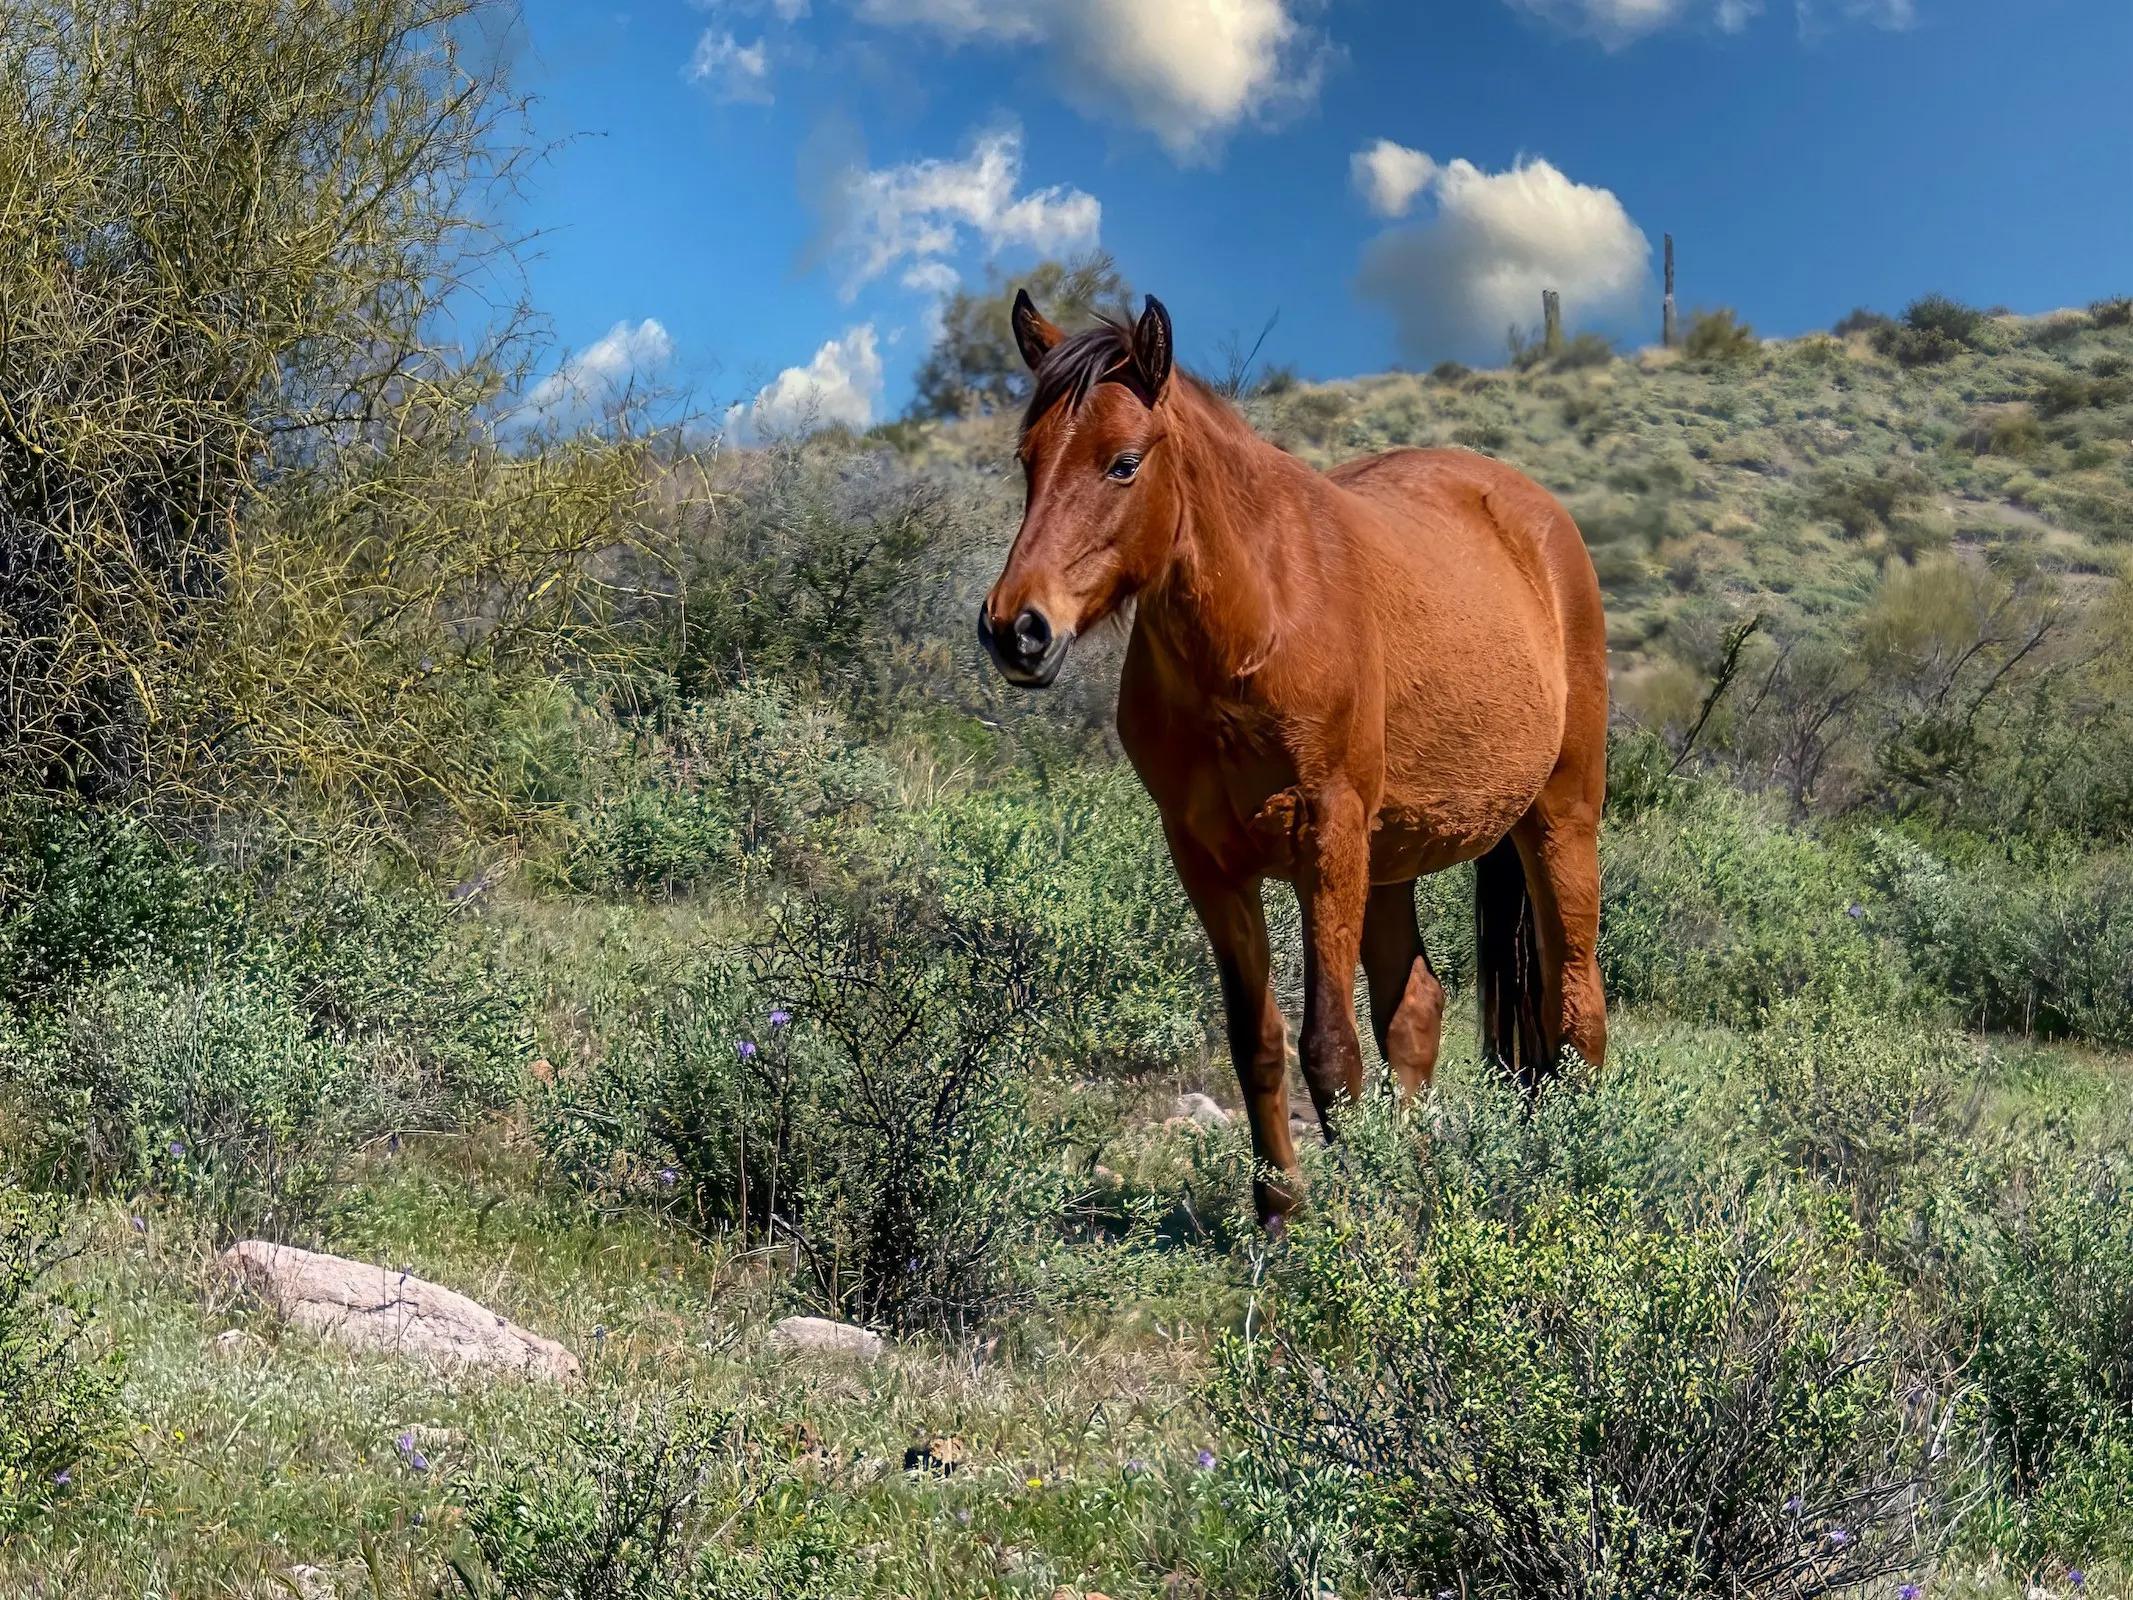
[251,518]
[975,367]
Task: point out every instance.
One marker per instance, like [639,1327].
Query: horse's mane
[1081,361]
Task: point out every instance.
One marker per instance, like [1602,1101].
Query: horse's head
[1101,506]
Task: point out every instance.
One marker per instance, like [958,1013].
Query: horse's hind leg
[1559,842]
[1406,1001]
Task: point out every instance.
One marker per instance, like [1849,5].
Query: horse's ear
[1033,334]
[1151,349]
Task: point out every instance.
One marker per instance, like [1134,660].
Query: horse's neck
[1220,599]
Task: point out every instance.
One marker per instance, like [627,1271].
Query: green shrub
[658,1504]
[1587,349]
[1882,1112]
[2055,1357]
[852,1089]
[1716,336]
[214,1090]
[55,1407]
[752,788]
[1082,862]
[1934,329]
[83,891]
[1861,320]
[1710,909]
[1540,1390]
[2112,313]
[2037,942]
[390,973]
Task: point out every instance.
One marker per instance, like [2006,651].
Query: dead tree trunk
[1667,331]
[1552,320]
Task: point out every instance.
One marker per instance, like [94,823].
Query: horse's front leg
[1235,920]
[1333,890]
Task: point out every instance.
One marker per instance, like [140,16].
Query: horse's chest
[1224,776]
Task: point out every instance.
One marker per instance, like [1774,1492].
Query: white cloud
[1455,281]
[840,385]
[732,71]
[921,212]
[1613,22]
[600,375]
[1895,15]
[1186,70]
[1389,176]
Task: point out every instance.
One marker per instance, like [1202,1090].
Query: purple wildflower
[1909,1591]
[1206,1460]
[668,1176]
[746,1047]
[2076,1577]
[1136,1467]
[779,1016]
[63,1477]
[177,1147]
[1840,1537]
[139,1226]
[1792,1506]
[415,1459]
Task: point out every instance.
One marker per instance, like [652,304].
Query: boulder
[384,1308]
[1202,1109]
[820,1336]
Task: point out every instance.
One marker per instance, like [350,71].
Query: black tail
[1507,964]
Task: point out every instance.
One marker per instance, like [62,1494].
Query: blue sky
[781,188]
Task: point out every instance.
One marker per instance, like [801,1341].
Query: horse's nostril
[1033,633]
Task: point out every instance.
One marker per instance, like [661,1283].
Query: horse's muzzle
[1028,654]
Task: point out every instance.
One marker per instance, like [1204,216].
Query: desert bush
[1861,320]
[2055,1356]
[752,788]
[647,1503]
[212,1089]
[1885,1114]
[2112,313]
[1716,336]
[1711,909]
[1934,329]
[1861,503]
[248,506]
[1543,1390]
[1586,349]
[2035,941]
[84,891]
[1081,861]
[56,1404]
[850,1088]
[392,972]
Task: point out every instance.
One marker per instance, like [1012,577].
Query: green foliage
[2035,942]
[1533,1388]
[852,1088]
[1934,329]
[753,788]
[1081,861]
[212,1089]
[1711,909]
[975,366]
[2055,1357]
[84,891]
[56,1408]
[647,1503]
[1716,336]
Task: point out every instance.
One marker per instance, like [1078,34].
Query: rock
[820,1336]
[379,1308]
[1202,1109]
[231,1342]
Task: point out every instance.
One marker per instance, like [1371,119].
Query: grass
[1080,1427]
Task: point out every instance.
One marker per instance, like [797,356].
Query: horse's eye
[1124,468]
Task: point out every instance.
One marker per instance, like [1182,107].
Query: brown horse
[1345,680]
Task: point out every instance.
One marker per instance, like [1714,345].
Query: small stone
[230,1342]
[821,1336]
[542,1072]
[314,1583]
[1202,1109]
